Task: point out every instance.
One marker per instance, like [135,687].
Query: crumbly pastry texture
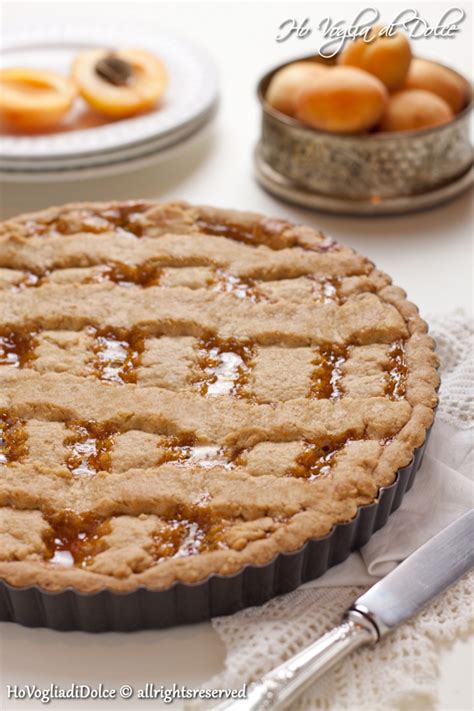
[186,390]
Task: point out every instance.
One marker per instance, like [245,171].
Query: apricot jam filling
[327,291]
[192,530]
[318,457]
[234,231]
[397,372]
[30,279]
[74,539]
[89,448]
[13,438]
[120,273]
[117,355]
[130,274]
[84,221]
[126,217]
[241,288]
[17,348]
[186,452]
[326,376]
[269,232]
[225,366]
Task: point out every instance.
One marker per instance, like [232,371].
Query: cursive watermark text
[335,33]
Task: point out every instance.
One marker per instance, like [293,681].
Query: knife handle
[283,684]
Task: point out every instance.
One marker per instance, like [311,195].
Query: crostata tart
[187,390]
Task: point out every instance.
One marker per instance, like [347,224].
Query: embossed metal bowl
[366,172]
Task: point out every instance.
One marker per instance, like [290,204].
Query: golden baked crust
[185,390]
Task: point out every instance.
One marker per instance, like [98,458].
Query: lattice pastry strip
[211,365]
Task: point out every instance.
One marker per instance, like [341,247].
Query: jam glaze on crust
[186,390]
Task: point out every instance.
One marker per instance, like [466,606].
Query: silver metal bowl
[374,168]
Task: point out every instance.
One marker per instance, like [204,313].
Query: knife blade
[421,577]
[403,593]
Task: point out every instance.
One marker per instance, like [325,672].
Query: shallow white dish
[142,159]
[105,158]
[190,97]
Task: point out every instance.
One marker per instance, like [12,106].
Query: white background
[429,254]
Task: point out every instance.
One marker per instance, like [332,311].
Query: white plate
[191,93]
[130,152]
[108,168]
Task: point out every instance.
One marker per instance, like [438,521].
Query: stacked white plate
[87,145]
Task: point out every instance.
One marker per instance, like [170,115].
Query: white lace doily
[454,336]
[403,668]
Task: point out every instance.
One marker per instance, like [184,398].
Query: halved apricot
[34,99]
[120,83]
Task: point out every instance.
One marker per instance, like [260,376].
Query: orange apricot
[438,79]
[121,83]
[412,109]
[386,57]
[345,100]
[34,99]
[288,82]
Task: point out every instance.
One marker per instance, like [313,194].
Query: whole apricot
[386,57]
[439,80]
[411,109]
[288,82]
[344,100]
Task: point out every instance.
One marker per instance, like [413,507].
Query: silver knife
[400,595]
